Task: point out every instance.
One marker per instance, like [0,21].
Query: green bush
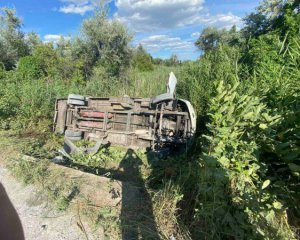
[103,84]
[27,102]
[233,186]
[142,60]
[277,80]
[48,59]
[30,67]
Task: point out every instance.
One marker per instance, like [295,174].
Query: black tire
[70,133]
[76,102]
[76,97]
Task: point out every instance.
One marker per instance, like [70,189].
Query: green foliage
[106,42]
[47,58]
[32,40]
[288,22]
[172,61]
[256,24]
[70,66]
[242,180]
[233,199]
[104,158]
[35,148]
[151,83]
[102,83]
[12,42]
[247,183]
[211,38]
[196,79]
[30,67]
[142,60]
[2,71]
[276,15]
[279,84]
[26,102]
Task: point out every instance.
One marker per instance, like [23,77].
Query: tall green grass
[25,101]
[151,83]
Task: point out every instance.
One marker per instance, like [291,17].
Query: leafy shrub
[233,198]
[28,102]
[142,60]
[29,67]
[48,59]
[279,85]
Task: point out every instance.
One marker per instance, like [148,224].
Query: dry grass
[166,212]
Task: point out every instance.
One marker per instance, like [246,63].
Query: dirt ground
[40,219]
[122,207]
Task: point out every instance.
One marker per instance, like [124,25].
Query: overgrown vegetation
[241,180]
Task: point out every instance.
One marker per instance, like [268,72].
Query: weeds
[29,170]
[166,211]
[52,183]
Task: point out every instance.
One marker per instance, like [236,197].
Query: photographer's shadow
[137,219]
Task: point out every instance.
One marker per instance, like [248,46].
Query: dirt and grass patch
[111,189]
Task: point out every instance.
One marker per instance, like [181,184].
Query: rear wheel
[73,135]
[76,102]
[76,96]
[75,99]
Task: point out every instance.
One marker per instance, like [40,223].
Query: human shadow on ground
[10,223]
[137,218]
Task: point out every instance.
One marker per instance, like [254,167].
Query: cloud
[145,15]
[77,9]
[195,34]
[54,38]
[165,45]
[79,6]
[151,15]
[220,20]
[157,43]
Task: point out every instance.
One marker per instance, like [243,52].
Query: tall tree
[208,39]
[12,41]
[141,59]
[106,42]
[32,40]
[271,15]
[211,37]
[255,24]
